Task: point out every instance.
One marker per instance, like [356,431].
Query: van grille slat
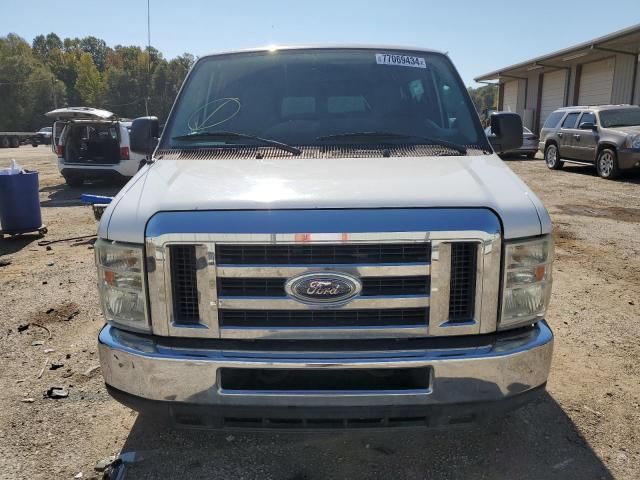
[184,286]
[274,287]
[323,254]
[463,281]
[323,318]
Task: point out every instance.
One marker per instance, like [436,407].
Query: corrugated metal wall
[623,79]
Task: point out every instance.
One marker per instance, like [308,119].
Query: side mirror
[144,135]
[507,131]
[588,126]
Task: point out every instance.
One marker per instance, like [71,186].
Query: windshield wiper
[391,135]
[198,136]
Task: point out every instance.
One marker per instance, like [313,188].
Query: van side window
[570,121]
[553,120]
[587,117]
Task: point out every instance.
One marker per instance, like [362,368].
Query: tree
[89,83]
[83,71]
[484,97]
[43,47]
[27,86]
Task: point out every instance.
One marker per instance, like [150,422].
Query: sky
[480,36]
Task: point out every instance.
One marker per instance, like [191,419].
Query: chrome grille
[415,283]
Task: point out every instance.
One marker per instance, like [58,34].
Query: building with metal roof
[597,72]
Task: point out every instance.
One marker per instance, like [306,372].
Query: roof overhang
[626,41]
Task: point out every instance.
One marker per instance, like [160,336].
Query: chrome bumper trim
[284,303]
[495,367]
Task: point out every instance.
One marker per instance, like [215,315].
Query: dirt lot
[586,427]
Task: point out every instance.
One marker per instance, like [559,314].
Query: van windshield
[324,97]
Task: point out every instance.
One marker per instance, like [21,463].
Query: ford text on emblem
[321,288]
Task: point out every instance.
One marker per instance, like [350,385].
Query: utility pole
[146,100]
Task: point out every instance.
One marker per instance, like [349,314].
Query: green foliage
[53,73]
[485,97]
[89,82]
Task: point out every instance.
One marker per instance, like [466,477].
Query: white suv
[92,143]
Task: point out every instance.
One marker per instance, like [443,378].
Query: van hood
[405,182]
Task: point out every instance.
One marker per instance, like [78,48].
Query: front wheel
[552,157]
[607,164]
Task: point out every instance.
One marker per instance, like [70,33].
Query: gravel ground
[586,427]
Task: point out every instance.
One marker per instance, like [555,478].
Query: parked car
[529,146]
[43,136]
[606,136]
[92,143]
[325,238]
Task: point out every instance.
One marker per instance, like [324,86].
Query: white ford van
[325,238]
[92,143]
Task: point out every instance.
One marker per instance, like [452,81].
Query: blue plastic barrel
[19,203]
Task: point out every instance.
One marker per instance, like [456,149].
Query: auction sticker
[400,60]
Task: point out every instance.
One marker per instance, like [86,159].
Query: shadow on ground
[64,196]
[538,441]
[9,245]
[632,176]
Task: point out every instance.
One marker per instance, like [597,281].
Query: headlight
[527,281]
[121,284]
[633,141]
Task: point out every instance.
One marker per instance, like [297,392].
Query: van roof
[272,48]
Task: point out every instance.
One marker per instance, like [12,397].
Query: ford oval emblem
[323,287]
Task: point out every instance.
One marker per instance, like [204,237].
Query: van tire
[4,142]
[74,181]
[15,142]
[607,164]
[552,157]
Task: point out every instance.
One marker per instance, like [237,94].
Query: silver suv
[607,136]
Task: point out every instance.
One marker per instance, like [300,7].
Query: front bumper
[628,158]
[122,169]
[183,373]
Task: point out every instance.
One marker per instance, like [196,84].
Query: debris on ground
[37,343]
[56,392]
[43,327]
[91,371]
[23,327]
[50,264]
[591,410]
[102,465]
[4,262]
[49,350]
[28,400]
[78,475]
[43,367]
[56,365]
